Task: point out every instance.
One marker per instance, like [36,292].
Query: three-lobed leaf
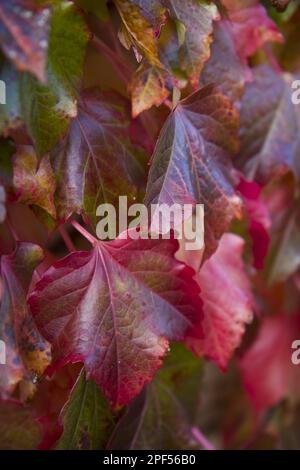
[192,161]
[115,309]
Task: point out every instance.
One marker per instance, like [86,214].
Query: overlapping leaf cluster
[114,344]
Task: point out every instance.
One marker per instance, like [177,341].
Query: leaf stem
[84,232]
[201,439]
[66,238]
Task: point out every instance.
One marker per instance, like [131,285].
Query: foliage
[134,343]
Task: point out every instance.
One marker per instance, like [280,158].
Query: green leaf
[86,418]
[47,109]
[162,415]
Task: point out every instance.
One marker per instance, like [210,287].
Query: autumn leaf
[47,109]
[24,31]
[87,418]
[10,112]
[269,127]
[250,26]
[267,371]
[227,301]
[284,256]
[87,173]
[152,10]
[259,220]
[18,429]
[115,308]
[49,400]
[27,354]
[34,182]
[196,21]
[224,67]
[191,162]
[161,417]
[148,88]
[137,32]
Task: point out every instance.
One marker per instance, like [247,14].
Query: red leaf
[259,220]
[225,67]
[250,26]
[267,371]
[115,308]
[49,400]
[96,162]
[191,161]
[270,124]
[227,301]
[24,35]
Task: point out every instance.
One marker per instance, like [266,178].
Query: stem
[84,232]
[66,238]
[201,439]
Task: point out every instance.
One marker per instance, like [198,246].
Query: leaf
[224,67]
[197,17]
[34,182]
[51,396]
[281,199]
[2,204]
[267,370]
[191,162]
[18,429]
[250,26]
[137,32]
[27,354]
[24,35]
[152,10]
[162,415]
[227,301]
[87,173]
[148,88]
[10,113]
[86,417]
[269,127]
[115,308]
[47,109]
[259,221]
